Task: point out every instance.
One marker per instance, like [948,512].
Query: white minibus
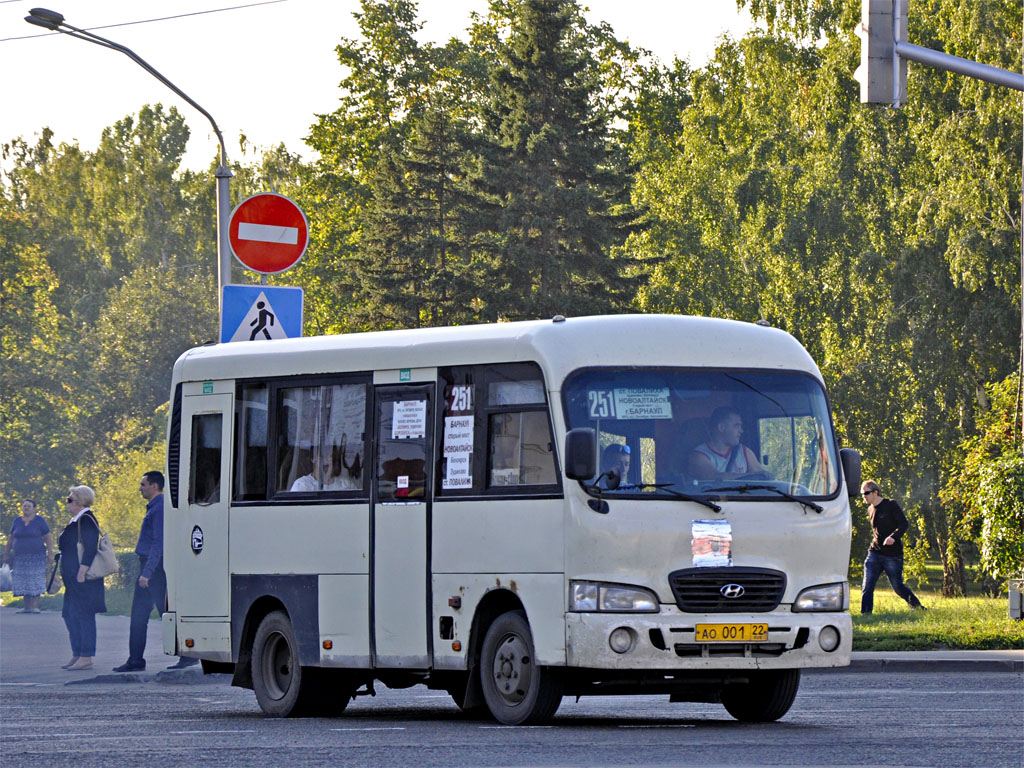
[512,513]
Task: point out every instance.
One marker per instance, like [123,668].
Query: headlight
[827,597]
[586,596]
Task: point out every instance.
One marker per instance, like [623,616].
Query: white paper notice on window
[712,543]
[643,403]
[409,419]
[458,452]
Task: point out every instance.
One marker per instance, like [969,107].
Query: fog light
[620,640]
[828,638]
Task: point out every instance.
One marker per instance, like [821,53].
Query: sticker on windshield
[633,403]
[712,543]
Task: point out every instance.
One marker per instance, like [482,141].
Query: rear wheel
[518,691]
[767,697]
[283,687]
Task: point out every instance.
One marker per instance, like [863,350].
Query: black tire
[766,698]
[518,691]
[283,687]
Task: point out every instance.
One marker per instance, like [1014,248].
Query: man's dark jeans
[875,563]
[144,600]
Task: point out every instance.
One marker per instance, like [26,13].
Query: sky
[261,69]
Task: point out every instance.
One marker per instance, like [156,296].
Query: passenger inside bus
[722,456]
[309,482]
[616,456]
[339,474]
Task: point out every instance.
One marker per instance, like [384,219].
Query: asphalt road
[950,712]
[847,719]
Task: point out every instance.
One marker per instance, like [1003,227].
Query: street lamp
[54,21]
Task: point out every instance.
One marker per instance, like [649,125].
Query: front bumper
[666,641]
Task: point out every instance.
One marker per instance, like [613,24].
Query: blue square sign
[261,312]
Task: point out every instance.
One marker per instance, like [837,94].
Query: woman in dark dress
[83,599]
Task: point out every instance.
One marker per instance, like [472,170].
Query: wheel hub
[513,669]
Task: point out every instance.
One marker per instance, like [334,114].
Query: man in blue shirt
[151,588]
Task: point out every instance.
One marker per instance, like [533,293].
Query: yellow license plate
[732,633]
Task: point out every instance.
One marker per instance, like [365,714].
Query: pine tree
[549,163]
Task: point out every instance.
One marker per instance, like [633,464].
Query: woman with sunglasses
[83,598]
[888,524]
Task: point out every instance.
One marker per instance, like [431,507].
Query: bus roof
[559,346]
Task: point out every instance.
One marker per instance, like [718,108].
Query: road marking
[191,733]
[268,233]
[681,725]
[390,728]
[510,727]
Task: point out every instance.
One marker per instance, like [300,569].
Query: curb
[190,676]
[900,666]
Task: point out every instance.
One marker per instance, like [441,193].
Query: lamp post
[54,21]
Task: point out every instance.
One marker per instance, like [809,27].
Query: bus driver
[722,456]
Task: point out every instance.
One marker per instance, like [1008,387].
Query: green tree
[986,484]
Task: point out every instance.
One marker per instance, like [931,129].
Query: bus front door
[201,532]
[400,528]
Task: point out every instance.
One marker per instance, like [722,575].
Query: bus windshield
[699,432]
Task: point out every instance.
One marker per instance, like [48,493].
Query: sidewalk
[33,646]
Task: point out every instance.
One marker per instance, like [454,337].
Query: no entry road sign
[268,233]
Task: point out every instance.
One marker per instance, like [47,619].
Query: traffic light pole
[951,63]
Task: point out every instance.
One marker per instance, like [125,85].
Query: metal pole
[223,176]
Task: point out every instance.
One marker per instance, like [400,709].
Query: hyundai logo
[732,591]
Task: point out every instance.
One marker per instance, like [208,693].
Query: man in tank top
[722,456]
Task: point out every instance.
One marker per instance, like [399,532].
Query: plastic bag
[6,585]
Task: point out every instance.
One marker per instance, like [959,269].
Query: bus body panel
[297,538]
[500,536]
[541,594]
[344,613]
[782,536]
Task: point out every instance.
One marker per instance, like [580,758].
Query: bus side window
[321,438]
[204,474]
[251,442]
[520,450]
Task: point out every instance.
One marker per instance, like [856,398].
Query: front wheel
[517,689]
[766,698]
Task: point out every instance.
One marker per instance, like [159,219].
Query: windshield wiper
[757,487]
[679,494]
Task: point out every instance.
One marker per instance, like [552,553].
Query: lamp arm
[91,37]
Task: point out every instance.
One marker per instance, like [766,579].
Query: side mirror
[851,469]
[580,454]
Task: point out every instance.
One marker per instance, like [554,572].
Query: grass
[950,623]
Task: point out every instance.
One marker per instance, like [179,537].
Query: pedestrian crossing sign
[260,312]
